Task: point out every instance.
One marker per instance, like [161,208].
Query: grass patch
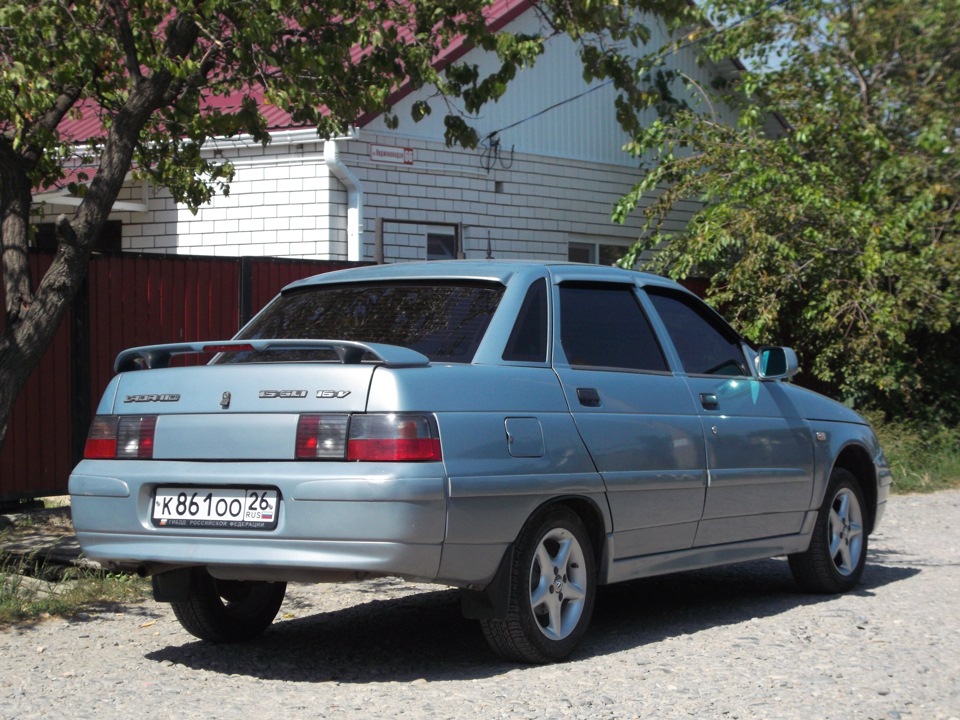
[923,458]
[32,590]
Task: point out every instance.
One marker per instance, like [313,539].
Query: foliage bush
[923,457]
[828,215]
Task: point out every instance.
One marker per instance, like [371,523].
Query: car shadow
[643,612]
[424,636]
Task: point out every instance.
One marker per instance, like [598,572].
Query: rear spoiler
[149,357]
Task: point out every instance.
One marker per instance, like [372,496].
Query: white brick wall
[285,203]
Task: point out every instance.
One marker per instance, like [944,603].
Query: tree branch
[127,42]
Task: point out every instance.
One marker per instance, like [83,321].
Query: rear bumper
[244,559]
[335,522]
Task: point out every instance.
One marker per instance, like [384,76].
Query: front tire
[837,554]
[552,591]
[225,611]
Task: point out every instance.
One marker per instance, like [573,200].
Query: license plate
[227,508]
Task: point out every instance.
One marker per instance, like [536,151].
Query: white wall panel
[549,109]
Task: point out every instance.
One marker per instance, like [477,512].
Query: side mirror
[777,363]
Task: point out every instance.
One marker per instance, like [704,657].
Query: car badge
[332,394]
[164,397]
[270,394]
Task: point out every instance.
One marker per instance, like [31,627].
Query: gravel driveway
[736,642]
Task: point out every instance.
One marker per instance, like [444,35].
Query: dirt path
[736,642]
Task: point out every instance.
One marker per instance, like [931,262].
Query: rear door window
[528,340]
[603,326]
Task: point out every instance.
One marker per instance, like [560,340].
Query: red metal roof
[501,12]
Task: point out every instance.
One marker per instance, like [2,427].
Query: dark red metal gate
[126,300]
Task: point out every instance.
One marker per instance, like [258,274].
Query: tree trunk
[27,336]
[15,199]
[33,322]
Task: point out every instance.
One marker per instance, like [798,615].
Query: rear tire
[552,591]
[837,554]
[226,611]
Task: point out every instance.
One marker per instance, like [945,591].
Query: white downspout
[331,157]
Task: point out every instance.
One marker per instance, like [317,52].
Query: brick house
[541,187]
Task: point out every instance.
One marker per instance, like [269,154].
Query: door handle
[588,397]
[709,401]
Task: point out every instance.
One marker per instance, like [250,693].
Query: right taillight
[393,437]
[386,437]
[123,437]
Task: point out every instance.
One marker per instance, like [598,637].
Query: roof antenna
[489,247]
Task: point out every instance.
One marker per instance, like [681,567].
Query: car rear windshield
[444,321]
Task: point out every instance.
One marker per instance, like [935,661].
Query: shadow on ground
[424,635]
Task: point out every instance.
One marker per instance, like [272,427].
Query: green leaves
[835,231]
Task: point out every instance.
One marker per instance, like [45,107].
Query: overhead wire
[672,51]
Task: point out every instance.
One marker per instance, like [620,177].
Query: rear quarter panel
[493,488]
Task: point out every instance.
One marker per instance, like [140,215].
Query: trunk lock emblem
[225,400]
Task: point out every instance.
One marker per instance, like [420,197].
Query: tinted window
[445,322]
[528,340]
[706,345]
[603,325]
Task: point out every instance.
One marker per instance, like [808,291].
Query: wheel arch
[855,459]
[491,602]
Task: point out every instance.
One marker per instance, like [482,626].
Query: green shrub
[924,458]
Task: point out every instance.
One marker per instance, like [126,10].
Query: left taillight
[124,437]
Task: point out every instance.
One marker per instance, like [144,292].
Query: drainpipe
[331,157]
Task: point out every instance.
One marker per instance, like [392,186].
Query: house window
[582,253]
[441,246]
[596,253]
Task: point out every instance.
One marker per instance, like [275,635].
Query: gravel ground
[735,642]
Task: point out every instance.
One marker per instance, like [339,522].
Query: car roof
[502,271]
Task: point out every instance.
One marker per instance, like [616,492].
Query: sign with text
[395,155]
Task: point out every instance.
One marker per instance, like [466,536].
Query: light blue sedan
[523,431]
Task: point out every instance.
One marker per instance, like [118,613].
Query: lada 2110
[523,431]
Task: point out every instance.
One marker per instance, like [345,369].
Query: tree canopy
[834,228]
[158,78]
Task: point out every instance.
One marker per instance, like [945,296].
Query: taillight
[120,437]
[393,437]
[102,438]
[321,437]
[373,438]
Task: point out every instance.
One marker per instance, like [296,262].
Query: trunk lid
[247,410]
[249,388]
[239,412]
